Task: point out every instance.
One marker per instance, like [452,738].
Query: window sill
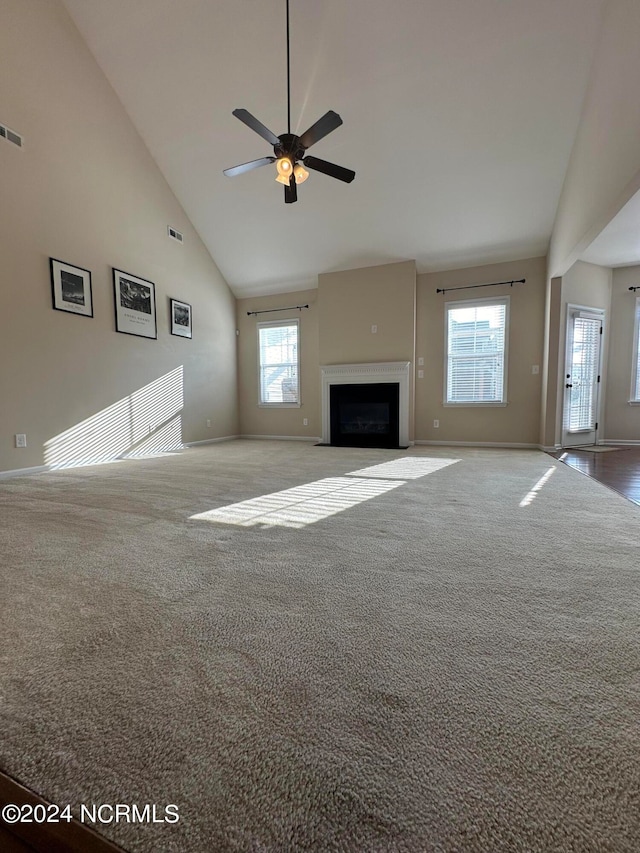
[475,405]
[279,405]
[634,402]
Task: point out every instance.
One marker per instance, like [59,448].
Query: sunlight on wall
[530,496]
[148,421]
[312,502]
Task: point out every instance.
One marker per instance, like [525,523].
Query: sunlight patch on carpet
[530,496]
[301,505]
[408,468]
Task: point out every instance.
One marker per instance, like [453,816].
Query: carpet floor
[422,650]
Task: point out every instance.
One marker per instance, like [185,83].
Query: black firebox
[365,415]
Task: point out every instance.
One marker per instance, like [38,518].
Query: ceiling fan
[289,150]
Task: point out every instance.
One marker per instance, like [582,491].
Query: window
[476,357]
[635,373]
[279,363]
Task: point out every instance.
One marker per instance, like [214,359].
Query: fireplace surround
[365,413]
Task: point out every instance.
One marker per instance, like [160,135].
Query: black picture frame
[71,288]
[180,318]
[135,305]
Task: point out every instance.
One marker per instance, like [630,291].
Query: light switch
[420,362]
[421,374]
[374,330]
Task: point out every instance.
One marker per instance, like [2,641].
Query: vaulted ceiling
[459,119]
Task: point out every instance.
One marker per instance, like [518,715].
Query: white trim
[360,374]
[23,472]
[474,303]
[210,441]
[635,363]
[594,314]
[315,439]
[552,448]
[516,445]
[283,321]
[630,442]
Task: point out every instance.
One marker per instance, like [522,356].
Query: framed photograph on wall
[135,302]
[71,288]
[181,319]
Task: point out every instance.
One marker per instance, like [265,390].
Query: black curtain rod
[634,288]
[471,286]
[271,310]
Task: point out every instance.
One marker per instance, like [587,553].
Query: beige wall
[84,189]
[257,420]
[622,421]
[604,167]
[352,301]
[519,421]
[337,330]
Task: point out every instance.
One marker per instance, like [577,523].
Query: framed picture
[71,288]
[181,319]
[135,301]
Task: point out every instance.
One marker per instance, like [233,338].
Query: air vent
[175,234]
[10,135]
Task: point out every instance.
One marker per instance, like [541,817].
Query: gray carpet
[449,665]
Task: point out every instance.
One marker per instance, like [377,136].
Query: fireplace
[366,405]
[365,415]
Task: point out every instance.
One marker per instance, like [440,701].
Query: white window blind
[635,386]
[476,333]
[279,365]
[584,373]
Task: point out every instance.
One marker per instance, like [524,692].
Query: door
[582,376]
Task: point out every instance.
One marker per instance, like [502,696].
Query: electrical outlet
[208,422]
[535,368]
[21,439]
[374,330]
[421,362]
[305,422]
[436,424]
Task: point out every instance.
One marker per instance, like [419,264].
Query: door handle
[568,386]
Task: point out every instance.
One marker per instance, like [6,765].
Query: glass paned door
[582,377]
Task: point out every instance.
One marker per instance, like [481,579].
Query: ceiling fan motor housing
[289,147]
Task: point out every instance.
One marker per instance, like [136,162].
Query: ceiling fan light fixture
[300,173]
[283,179]
[284,167]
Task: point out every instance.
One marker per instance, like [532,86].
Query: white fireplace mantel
[359,374]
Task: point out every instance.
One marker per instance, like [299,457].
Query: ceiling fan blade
[339,172]
[252,122]
[329,121]
[291,191]
[247,167]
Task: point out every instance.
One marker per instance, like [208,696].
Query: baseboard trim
[508,445]
[211,440]
[552,448]
[23,472]
[633,442]
[314,439]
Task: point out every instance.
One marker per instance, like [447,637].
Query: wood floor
[618,469]
[34,837]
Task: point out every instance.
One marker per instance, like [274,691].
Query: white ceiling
[618,245]
[459,118]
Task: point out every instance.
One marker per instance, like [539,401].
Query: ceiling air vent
[10,135]
[175,234]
